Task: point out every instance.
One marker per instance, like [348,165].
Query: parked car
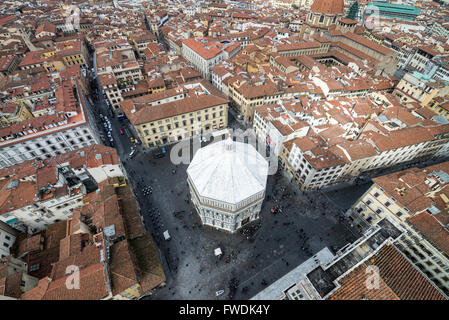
[132,153]
[160,153]
[121,131]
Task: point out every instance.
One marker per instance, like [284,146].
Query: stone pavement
[192,269]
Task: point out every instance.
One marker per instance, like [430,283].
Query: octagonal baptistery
[227,181]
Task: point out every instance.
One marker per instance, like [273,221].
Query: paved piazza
[271,248]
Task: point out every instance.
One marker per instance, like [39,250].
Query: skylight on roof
[433,210]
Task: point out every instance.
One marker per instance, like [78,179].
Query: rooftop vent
[401,191]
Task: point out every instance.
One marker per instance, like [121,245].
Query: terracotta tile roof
[6,19]
[189,73]
[332,7]
[38,292]
[44,259]
[399,112]
[171,109]
[33,57]
[47,176]
[144,36]
[5,62]
[367,43]
[70,245]
[88,256]
[92,282]
[257,91]
[122,267]
[91,156]
[130,212]
[110,206]
[284,129]
[426,113]
[352,51]
[110,215]
[24,193]
[107,79]
[403,137]
[155,83]
[38,122]
[105,58]
[353,287]
[358,149]
[432,229]
[305,144]
[219,70]
[208,50]
[402,277]
[151,271]
[414,191]
[18,197]
[348,21]
[149,98]
[298,46]
[10,283]
[46,27]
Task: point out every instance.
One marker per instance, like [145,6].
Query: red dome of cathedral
[332,7]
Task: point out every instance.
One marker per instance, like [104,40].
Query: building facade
[7,239]
[44,192]
[52,134]
[204,53]
[415,199]
[176,116]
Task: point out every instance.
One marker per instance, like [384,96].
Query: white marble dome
[227,182]
[228,171]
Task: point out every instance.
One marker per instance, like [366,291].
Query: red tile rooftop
[348,21]
[207,50]
[403,137]
[5,62]
[399,280]
[33,57]
[34,127]
[298,46]
[331,7]
[170,109]
[5,19]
